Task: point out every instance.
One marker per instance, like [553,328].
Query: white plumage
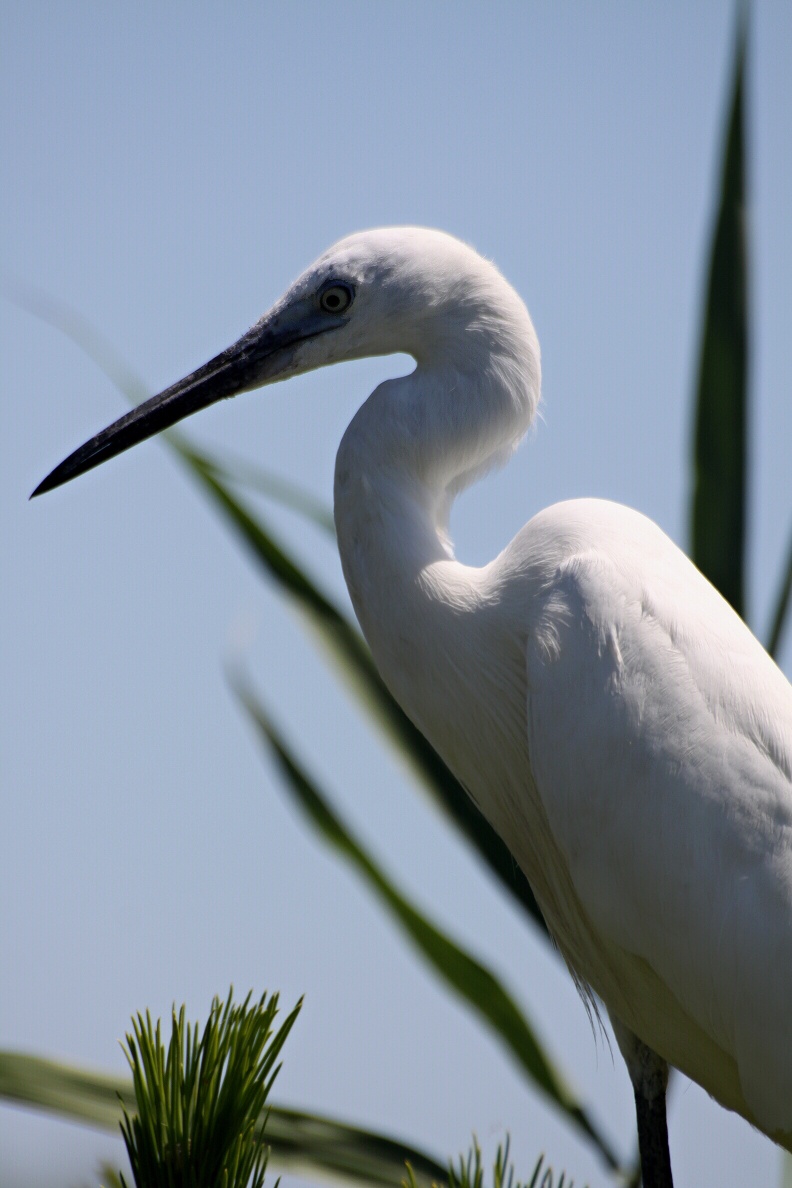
[612,717]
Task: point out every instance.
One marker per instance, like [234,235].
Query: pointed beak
[264,354]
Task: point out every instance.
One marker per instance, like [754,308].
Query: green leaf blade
[240,472]
[461,972]
[347,648]
[299,1142]
[782,603]
[720,443]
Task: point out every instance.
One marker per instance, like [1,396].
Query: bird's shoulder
[614,612]
[587,572]
[579,569]
[585,537]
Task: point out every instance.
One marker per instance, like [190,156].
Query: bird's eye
[336,298]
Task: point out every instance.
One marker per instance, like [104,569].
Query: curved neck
[412,447]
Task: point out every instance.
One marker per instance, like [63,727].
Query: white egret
[613,718]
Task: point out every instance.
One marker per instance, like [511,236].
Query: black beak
[261,355]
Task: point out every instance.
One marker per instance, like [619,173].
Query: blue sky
[168,170]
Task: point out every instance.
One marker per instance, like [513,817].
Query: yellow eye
[336,299]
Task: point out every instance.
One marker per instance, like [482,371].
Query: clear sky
[168,168]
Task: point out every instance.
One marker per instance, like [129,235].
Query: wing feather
[660,738]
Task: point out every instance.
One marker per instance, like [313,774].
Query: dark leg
[649,1076]
[650,1109]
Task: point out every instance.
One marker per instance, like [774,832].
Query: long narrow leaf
[786,1170]
[78,1093]
[83,334]
[241,472]
[344,642]
[303,1143]
[462,973]
[348,649]
[778,621]
[720,447]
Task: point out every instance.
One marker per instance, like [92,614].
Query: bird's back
[660,745]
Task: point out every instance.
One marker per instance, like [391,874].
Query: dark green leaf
[461,972]
[348,649]
[720,447]
[308,1144]
[240,472]
[778,621]
[303,1143]
[78,1093]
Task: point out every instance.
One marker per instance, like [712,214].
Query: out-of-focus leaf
[340,639]
[778,621]
[786,1170]
[720,447]
[303,1143]
[463,974]
[348,649]
[78,1093]
[79,330]
[108,1176]
[241,472]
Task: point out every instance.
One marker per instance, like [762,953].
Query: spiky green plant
[200,1102]
[469,1172]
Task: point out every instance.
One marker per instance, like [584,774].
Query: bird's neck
[412,447]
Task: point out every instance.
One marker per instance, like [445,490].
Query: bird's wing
[660,738]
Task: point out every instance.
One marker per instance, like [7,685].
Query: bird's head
[397,289]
